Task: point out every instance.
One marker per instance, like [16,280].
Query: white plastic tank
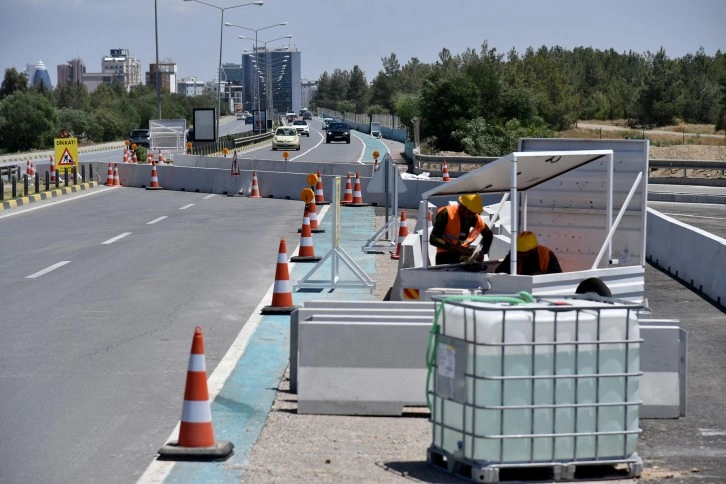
[552,380]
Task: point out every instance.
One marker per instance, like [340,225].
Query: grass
[656,138]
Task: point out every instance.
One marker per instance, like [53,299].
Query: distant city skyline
[334,34]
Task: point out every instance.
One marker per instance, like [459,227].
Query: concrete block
[663,361]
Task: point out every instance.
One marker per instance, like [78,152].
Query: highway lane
[94,351]
[705,216]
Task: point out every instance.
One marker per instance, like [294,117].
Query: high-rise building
[167,71]
[307,91]
[71,72]
[272,79]
[119,64]
[38,74]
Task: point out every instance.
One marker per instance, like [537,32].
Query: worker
[532,258]
[456,228]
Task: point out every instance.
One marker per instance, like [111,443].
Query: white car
[326,121]
[302,127]
[286,137]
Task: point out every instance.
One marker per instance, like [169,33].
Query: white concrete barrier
[664,384]
[679,249]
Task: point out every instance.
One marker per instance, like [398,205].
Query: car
[337,131]
[286,137]
[302,127]
[326,121]
[240,116]
[140,137]
[307,115]
[249,119]
[290,116]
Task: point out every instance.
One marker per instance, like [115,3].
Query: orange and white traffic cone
[154,183]
[313,214]
[255,189]
[357,194]
[445,173]
[319,196]
[134,159]
[282,290]
[116,179]
[109,175]
[307,251]
[402,234]
[52,171]
[150,158]
[126,158]
[161,157]
[32,169]
[196,433]
[27,167]
[348,194]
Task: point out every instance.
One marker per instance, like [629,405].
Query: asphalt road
[100,296]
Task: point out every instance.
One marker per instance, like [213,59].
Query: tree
[13,81]
[358,90]
[72,95]
[27,121]
[659,100]
[407,107]
[75,121]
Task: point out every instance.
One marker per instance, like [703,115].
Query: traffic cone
[32,169]
[313,214]
[150,157]
[196,433]
[134,159]
[27,167]
[319,197]
[348,194]
[255,190]
[161,157]
[402,234]
[445,173]
[109,176]
[282,291]
[126,156]
[306,252]
[154,183]
[52,171]
[357,195]
[116,179]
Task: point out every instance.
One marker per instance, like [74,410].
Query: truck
[584,199]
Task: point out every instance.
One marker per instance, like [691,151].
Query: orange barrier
[255,190]
[445,173]
[402,234]
[196,433]
[154,183]
[282,290]
[313,214]
[348,194]
[52,171]
[116,179]
[307,251]
[109,175]
[319,197]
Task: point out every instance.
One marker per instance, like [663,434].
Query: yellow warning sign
[66,152]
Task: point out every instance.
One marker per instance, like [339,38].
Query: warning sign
[66,152]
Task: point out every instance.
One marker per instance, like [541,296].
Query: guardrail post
[2,189]
[47,180]
[74,170]
[65,176]
[14,186]
[25,185]
[83,173]
[57,178]
[37,182]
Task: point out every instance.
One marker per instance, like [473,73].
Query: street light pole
[268,69]
[256,53]
[158,74]
[219,68]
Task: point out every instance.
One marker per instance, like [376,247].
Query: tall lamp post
[256,52]
[219,68]
[268,68]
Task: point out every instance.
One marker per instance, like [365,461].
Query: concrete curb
[36,197]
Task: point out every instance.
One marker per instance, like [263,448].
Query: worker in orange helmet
[532,258]
[456,228]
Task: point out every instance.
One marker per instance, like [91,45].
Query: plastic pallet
[546,472]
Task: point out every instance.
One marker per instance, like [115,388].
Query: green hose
[433,342]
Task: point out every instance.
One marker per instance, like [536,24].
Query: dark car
[307,115]
[140,137]
[337,131]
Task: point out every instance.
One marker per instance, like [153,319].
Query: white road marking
[156,220]
[114,239]
[208,196]
[186,206]
[55,202]
[692,216]
[48,269]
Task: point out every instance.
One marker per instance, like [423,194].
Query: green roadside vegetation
[479,102]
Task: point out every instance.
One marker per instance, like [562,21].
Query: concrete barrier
[664,384]
[682,255]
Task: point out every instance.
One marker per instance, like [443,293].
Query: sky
[340,34]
